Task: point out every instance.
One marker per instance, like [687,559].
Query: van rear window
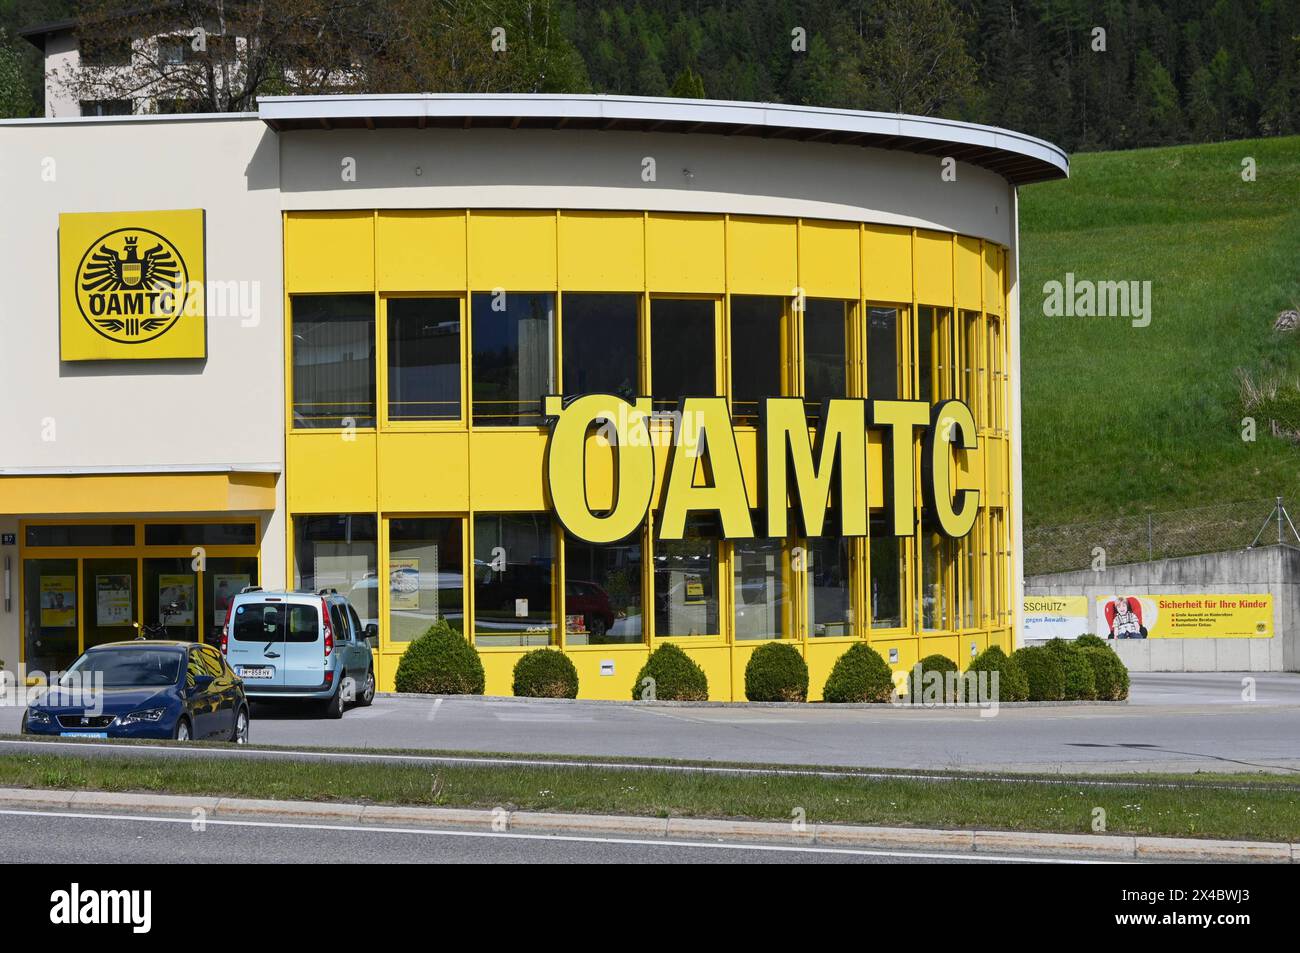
[275,622]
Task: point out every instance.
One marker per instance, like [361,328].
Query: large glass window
[339,552]
[200,534]
[998,567]
[968,596]
[758,587]
[830,571]
[223,578]
[883,353]
[600,344]
[825,352]
[886,583]
[80,534]
[682,350]
[969,369]
[514,561]
[602,591]
[686,581]
[938,563]
[426,579]
[50,595]
[333,360]
[996,413]
[935,347]
[514,357]
[171,594]
[423,359]
[110,593]
[755,354]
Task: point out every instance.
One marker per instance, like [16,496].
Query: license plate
[83,734]
[256,671]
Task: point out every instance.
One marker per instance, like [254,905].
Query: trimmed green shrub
[1080,682]
[545,673]
[946,687]
[859,675]
[1088,640]
[1109,671]
[675,677]
[440,662]
[1013,686]
[1044,672]
[776,672]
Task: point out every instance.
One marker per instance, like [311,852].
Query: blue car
[144,689]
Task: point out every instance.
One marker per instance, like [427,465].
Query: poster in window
[404,583]
[225,586]
[694,589]
[178,590]
[113,599]
[58,601]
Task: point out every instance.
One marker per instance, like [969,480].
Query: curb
[806,706]
[1091,846]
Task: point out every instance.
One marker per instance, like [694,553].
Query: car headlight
[37,717]
[140,717]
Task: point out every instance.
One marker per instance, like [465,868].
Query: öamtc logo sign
[131,285]
[800,473]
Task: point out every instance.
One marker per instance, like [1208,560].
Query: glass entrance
[84,584]
[50,613]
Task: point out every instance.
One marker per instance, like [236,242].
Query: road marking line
[572,838]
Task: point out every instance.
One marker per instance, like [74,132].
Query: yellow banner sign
[132,285]
[1186,616]
[1054,617]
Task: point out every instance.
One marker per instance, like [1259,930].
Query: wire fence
[1133,539]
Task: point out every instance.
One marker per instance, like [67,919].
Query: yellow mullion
[557,335]
[647,583]
[469,341]
[557,583]
[915,554]
[81,607]
[383,594]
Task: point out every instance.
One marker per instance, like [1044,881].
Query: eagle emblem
[132,285]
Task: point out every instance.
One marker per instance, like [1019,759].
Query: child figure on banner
[1124,616]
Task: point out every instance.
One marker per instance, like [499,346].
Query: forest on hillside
[1086,74]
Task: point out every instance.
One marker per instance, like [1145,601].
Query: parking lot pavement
[1213,688]
[41,836]
[1176,722]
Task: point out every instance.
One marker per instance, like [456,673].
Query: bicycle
[159,631]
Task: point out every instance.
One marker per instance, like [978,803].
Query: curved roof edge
[1019,158]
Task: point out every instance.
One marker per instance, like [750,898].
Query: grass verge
[1189,811]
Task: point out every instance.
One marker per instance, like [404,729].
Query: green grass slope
[1121,420]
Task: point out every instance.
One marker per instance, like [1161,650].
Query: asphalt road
[1175,722]
[82,838]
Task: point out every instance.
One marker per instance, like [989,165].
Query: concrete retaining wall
[1274,570]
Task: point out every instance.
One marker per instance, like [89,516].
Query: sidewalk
[1092,846]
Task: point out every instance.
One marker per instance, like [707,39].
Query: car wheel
[240,735]
[367,693]
[182,730]
[22,729]
[597,628]
[334,707]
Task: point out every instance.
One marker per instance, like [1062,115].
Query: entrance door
[50,614]
[224,577]
[110,590]
[170,596]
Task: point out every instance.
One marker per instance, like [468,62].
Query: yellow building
[431,269]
